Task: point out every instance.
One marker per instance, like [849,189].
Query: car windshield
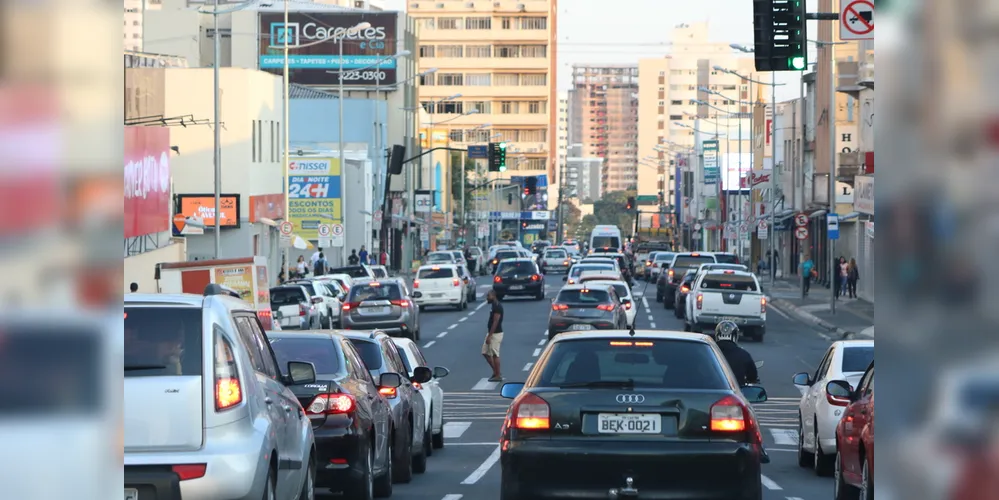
[432,273]
[664,256]
[163,341]
[858,358]
[583,296]
[375,291]
[638,362]
[319,351]
[369,352]
[605,242]
[379,272]
[729,282]
[726,258]
[287,296]
[440,257]
[518,268]
[555,254]
[577,270]
[689,261]
[352,271]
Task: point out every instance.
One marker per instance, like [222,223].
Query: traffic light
[497,157]
[630,204]
[531,185]
[780,35]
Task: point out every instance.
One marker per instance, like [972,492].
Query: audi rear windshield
[586,296]
[729,283]
[635,363]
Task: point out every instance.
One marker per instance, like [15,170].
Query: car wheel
[363,488]
[383,484]
[659,296]
[841,490]
[540,295]
[437,440]
[821,463]
[270,491]
[420,459]
[866,482]
[404,473]
[805,459]
[309,483]
[423,308]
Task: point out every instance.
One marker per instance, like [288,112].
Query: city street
[467,468]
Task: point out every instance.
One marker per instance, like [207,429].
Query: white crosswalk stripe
[778,412]
[474,406]
[454,430]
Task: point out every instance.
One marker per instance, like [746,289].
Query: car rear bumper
[711,320]
[439,298]
[702,470]
[338,444]
[235,474]
[156,482]
[529,288]
[391,327]
[561,325]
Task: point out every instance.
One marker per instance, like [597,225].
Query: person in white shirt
[315,257]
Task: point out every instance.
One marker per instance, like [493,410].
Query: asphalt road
[467,468]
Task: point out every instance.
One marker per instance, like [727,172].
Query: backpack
[320,268]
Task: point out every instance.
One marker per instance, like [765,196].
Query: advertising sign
[270,206]
[239,278]
[315,39]
[313,194]
[202,206]
[712,171]
[147,180]
[422,201]
[760,179]
[863,194]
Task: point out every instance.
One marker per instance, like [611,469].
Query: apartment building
[498,57]
[667,88]
[134,19]
[605,108]
[561,141]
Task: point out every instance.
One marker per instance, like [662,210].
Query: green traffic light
[502,145]
[798,63]
[502,168]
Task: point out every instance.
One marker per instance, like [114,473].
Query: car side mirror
[391,380]
[300,372]
[801,379]
[422,375]
[441,372]
[755,394]
[840,391]
[511,390]
[317,300]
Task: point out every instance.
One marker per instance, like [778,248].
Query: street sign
[801,233]
[286,228]
[336,235]
[762,231]
[324,232]
[478,152]
[762,225]
[697,227]
[800,220]
[856,20]
[378,217]
[832,226]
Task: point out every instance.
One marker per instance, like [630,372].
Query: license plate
[131,494]
[517,287]
[629,423]
[375,310]
[436,295]
[581,327]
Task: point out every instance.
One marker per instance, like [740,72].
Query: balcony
[493,35]
[485,64]
[847,78]
[850,165]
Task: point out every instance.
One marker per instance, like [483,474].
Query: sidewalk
[854,318]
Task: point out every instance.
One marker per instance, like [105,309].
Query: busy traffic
[611,369]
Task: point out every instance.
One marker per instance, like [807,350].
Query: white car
[439,285]
[329,316]
[572,276]
[819,412]
[555,259]
[478,263]
[441,257]
[726,295]
[658,261]
[343,280]
[623,292]
[431,392]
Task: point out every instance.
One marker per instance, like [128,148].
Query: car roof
[442,264]
[318,334]
[363,281]
[371,335]
[734,272]
[854,343]
[610,282]
[625,334]
[178,299]
[519,259]
[584,286]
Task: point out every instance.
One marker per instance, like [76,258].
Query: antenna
[631,330]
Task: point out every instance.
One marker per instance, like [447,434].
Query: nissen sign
[311,167]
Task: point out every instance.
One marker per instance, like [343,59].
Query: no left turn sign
[856,20]
[801,233]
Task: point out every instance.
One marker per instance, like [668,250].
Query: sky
[591,32]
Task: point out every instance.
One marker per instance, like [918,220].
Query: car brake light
[628,306]
[560,307]
[605,307]
[497,279]
[351,305]
[536,277]
[416,284]
[565,263]
[456,282]
[189,471]
[695,254]
[531,412]
[670,274]
[684,289]
[763,304]
[400,303]
[331,404]
[700,301]
[388,392]
[303,309]
[728,415]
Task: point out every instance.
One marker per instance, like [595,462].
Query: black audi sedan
[587,306]
[519,277]
[619,414]
[349,419]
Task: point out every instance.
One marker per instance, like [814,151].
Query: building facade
[561,143]
[605,105]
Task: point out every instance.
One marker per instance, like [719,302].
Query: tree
[610,210]
[456,177]
[571,217]
[585,227]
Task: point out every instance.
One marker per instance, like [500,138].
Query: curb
[811,319]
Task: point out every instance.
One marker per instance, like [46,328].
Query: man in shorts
[494,336]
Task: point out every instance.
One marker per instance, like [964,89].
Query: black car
[500,256]
[380,356]
[669,278]
[350,421]
[680,297]
[646,414]
[590,306]
[358,271]
[519,277]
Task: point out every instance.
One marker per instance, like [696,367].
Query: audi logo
[630,398]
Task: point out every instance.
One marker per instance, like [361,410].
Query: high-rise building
[562,139]
[668,87]
[604,106]
[134,19]
[498,57]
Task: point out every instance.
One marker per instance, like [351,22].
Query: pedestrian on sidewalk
[383,258]
[807,269]
[852,276]
[363,255]
[301,267]
[321,265]
[494,337]
[842,273]
[353,259]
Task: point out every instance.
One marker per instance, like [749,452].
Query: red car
[854,475]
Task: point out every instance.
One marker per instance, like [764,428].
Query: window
[823,365]
[662,80]
[248,340]
[428,107]
[532,136]
[478,23]
[507,51]
[506,79]
[478,51]
[478,80]
[369,353]
[517,267]
[426,23]
[319,351]
[506,22]
[365,291]
[477,135]
[167,339]
[729,282]
[427,80]
[450,79]
[431,273]
[450,108]
[483,107]
[584,296]
[508,107]
[427,51]
[456,135]
[728,87]
[392,356]
[676,117]
[676,103]
[449,50]
[857,359]
[533,23]
[536,107]
[354,362]
[534,79]
[533,51]
[449,23]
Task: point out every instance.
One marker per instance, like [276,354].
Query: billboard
[314,40]
[147,180]
[313,195]
[202,206]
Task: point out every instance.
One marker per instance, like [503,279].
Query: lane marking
[794,498]
[536,352]
[484,385]
[481,306]
[452,496]
[645,302]
[454,430]
[452,327]
[441,334]
[428,344]
[463,319]
[543,341]
[784,437]
[651,318]
[484,468]
[545,335]
[653,325]
[528,366]
[769,483]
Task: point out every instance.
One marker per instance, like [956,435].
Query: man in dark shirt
[494,337]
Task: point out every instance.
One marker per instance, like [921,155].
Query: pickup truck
[727,295]
[555,260]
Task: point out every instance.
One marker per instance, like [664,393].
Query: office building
[561,142]
[605,108]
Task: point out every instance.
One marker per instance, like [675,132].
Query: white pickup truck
[555,260]
[727,295]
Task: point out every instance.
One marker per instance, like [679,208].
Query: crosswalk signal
[497,157]
[780,35]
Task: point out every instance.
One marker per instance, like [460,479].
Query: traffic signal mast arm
[431,150]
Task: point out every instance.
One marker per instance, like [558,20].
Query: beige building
[135,11]
[500,57]
[605,116]
[667,87]
[561,145]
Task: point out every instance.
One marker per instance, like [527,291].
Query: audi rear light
[536,277]
[400,303]
[189,471]
[700,301]
[728,415]
[351,305]
[530,412]
[416,284]
[228,390]
[605,307]
[497,279]
[763,304]
[332,404]
[560,307]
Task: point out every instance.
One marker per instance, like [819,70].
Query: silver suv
[207,411]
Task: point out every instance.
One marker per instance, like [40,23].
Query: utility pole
[561,199]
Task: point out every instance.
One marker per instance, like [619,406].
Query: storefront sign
[202,207]
[147,180]
[313,195]
[238,278]
[863,194]
[760,179]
